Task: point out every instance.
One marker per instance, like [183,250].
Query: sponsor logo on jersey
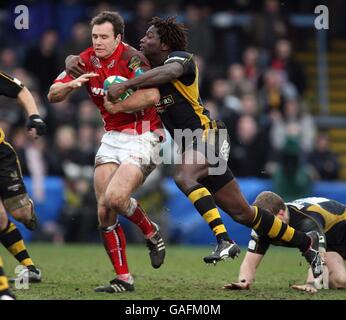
[97,91]
[164,103]
[96,62]
[225,149]
[134,63]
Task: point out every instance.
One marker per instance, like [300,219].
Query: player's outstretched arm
[26,100]
[35,124]
[149,79]
[247,272]
[139,100]
[59,91]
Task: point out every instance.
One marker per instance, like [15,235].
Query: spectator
[271,97]
[294,123]
[239,85]
[324,161]
[292,69]
[199,32]
[43,60]
[203,78]
[252,66]
[269,26]
[8,60]
[250,150]
[79,40]
[291,178]
[228,107]
[88,114]
[135,30]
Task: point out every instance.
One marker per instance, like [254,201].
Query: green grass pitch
[72,271]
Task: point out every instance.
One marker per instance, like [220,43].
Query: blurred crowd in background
[249,78]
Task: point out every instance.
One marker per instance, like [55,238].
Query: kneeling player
[327,217]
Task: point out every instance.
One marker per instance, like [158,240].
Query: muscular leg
[26,215]
[230,198]
[186,176]
[125,181]
[337,270]
[112,234]
[232,201]
[102,176]
[12,240]
[3,217]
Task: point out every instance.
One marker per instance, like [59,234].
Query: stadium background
[284,108]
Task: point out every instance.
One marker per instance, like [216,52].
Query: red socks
[115,244]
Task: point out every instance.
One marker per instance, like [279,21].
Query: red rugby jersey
[124,62]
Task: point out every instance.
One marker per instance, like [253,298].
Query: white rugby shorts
[119,147]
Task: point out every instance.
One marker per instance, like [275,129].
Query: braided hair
[171,32]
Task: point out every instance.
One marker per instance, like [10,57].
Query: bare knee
[105,216]
[20,207]
[241,217]
[23,214]
[3,220]
[185,181]
[337,271]
[337,282]
[241,214]
[117,202]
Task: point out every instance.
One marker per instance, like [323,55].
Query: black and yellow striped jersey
[180,106]
[9,87]
[326,216]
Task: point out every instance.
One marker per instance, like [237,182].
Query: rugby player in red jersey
[129,146]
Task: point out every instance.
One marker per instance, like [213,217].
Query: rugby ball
[117,79]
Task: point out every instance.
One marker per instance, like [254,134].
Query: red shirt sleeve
[63,77]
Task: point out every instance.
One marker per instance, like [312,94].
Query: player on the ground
[14,198]
[129,146]
[327,217]
[180,107]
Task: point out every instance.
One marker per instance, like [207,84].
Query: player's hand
[305,287]
[111,107]
[74,66]
[115,90]
[237,286]
[36,126]
[77,83]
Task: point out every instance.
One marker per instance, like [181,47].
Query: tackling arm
[149,79]
[139,100]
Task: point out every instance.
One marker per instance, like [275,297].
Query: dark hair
[171,32]
[270,201]
[113,17]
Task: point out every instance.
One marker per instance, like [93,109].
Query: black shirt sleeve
[258,244]
[185,59]
[9,86]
